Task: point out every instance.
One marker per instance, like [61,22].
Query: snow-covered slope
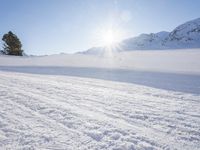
[177,70]
[62,112]
[171,61]
[87,102]
[184,36]
[146,41]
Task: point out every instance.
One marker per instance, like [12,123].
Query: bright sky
[55,26]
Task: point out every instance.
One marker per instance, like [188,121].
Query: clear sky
[55,26]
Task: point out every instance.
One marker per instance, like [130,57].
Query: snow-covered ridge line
[184,36]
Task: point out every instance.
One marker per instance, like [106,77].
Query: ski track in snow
[62,112]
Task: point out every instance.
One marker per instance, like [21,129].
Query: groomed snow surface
[62,112]
[77,102]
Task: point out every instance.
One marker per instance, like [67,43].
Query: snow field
[62,112]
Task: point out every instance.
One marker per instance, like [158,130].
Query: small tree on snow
[12,45]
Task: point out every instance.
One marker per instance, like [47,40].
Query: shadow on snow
[167,81]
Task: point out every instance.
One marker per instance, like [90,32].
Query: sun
[109,37]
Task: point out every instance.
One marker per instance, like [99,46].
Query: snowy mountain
[146,41]
[184,36]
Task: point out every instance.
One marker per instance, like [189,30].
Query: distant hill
[184,36]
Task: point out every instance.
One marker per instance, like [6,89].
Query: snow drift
[171,61]
[177,70]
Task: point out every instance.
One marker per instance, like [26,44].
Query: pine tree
[12,45]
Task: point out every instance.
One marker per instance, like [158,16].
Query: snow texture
[141,100]
[63,112]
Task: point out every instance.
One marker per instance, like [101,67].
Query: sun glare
[109,37]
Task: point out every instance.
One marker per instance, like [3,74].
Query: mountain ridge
[184,36]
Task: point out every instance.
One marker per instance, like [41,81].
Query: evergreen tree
[12,45]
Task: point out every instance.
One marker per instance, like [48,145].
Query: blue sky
[54,26]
